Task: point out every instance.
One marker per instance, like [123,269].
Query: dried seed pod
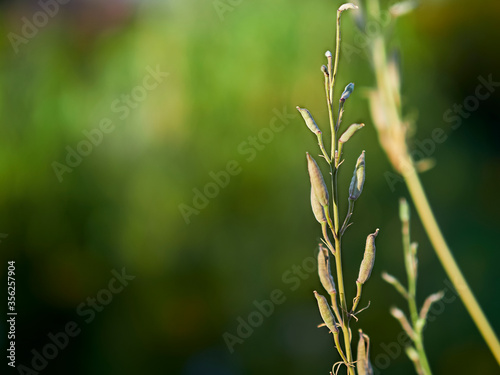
[311,124]
[358,178]
[326,312]
[347,92]
[317,181]
[368,261]
[317,208]
[324,271]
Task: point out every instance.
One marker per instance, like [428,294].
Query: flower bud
[317,181]
[324,272]
[368,261]
[329,58]
[318,210]
[358,178]
[324,69]
[311,124]
[347,92]
[326,312]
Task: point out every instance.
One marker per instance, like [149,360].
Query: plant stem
[445,256]
[417,193]
[336,227]
[410,260]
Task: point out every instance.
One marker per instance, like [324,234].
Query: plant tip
[347,6]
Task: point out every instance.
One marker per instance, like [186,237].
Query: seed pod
[347,92]
[311,124]
[317,181]
[358,178]
[324,272]
[361,358]
[368,261]
[326,312]
[318,210]
[350,132]
[363,364]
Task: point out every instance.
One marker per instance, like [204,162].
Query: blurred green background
[232,66]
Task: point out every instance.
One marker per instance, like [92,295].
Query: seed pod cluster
[368,261]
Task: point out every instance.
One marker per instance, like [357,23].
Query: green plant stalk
[447,260]
[422,204]
[412,303]
[335,228]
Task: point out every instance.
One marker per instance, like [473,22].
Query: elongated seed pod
[361,358]
[324,271]
[358,178]
[347,92]
[350,132]
[368,261]
[317,181]
[317,208]
[309,120]
[326,312]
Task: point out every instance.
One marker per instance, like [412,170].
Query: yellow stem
[445,256]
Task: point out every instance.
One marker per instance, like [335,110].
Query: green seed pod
[326,312]
[358,178]
[361,358]
[347,92]
[368,261]
[311,124]
[324,271]
[317,181]
[318,210]
[350,132]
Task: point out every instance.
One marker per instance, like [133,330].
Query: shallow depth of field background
[228,75]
